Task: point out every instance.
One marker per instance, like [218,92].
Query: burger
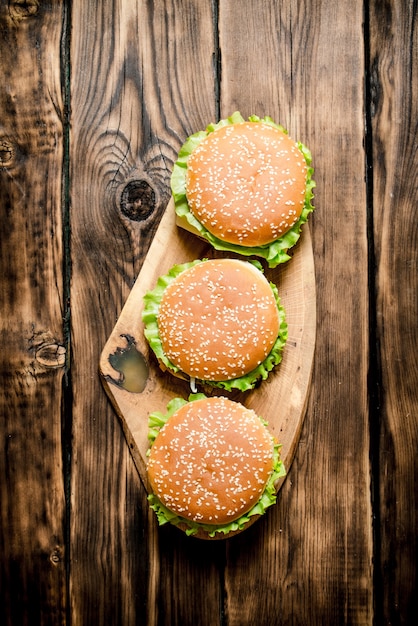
[212,466]
[218,322]
[245,187]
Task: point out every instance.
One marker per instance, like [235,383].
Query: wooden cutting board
[127,361]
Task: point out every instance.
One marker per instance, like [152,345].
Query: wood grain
[137,92]
[394,81]
[32,503]
[317,569]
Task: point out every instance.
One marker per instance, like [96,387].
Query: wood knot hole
[131,365]
[56,556]
[22,9]
[138,200]
[51,355]
[7,152]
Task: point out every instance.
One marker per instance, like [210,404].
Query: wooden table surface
[95,100]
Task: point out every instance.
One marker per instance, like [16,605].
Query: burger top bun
[218,320]
[210,462]
[246,183]
[244,186]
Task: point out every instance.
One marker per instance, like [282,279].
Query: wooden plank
[137,93]
[394,80]
[310,560]
[32,502]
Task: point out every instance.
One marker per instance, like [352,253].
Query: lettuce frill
[275,252]
[152,300]
[164,515]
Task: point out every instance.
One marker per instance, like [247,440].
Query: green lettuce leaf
[275,252]
[156,421]
[152,301]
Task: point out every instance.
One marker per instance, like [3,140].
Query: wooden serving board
[281,399]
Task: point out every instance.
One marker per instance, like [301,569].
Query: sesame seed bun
[244,186]
[246,183]
[209,466]
[217,321]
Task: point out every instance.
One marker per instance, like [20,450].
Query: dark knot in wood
[56,555]
[7,153]
[51,355]
[138,200]
[22,9]
[131,365]
[47,350]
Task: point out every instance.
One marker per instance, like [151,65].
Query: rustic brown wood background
[95,100]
